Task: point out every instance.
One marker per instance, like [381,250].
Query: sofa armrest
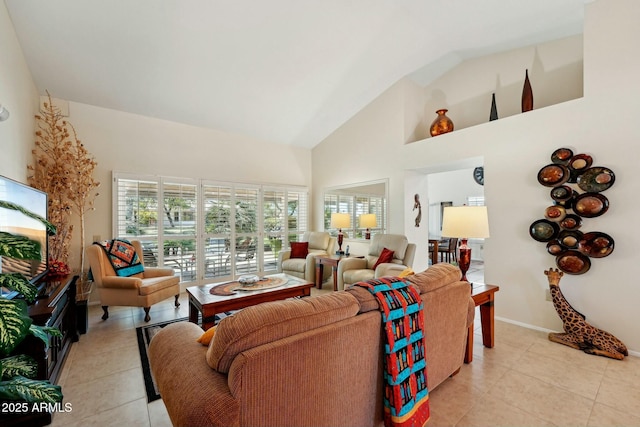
[193,393]
[121,282]
[283,256]
[349,264]
[389,269]
[158,271]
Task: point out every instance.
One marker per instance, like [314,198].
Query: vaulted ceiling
[285,71]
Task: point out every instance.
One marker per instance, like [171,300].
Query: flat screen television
[16,222]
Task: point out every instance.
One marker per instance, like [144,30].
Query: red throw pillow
[299,249]
[385,256]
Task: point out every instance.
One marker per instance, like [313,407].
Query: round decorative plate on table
[562,156]
[573,262]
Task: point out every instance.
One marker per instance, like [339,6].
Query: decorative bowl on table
[248,279]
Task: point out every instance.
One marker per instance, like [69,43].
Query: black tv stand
[56,309]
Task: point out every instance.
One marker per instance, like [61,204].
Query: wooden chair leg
[177,302]
[146,314]
[105,308]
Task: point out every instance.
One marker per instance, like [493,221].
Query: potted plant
[17,372]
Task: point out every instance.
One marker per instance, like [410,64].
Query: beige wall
[132,143]
[603,123]
[18,94]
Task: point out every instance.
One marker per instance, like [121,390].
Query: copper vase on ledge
[442,123]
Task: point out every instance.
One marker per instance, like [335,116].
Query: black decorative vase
[527,94]
[494,110]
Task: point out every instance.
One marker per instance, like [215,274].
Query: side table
[331,260]
[483,297]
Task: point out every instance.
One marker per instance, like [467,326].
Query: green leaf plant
[18,372]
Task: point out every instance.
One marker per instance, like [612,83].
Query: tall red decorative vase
[527,94]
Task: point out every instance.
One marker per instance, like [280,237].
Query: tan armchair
[155,284]
[352,270]
[320,243]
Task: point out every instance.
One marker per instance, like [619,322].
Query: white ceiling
[285,71]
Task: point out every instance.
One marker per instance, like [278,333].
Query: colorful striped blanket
[122,256]
[406,397]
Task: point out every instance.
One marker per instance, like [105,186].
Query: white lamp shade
[368,221]
[340,220]
[465,222]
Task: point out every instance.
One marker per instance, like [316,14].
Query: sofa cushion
[318,240]
[385,256]
[435,277]
[359,275]
[299,249]
[271,321]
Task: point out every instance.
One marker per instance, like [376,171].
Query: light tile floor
[525,380]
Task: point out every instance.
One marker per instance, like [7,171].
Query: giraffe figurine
[578,333]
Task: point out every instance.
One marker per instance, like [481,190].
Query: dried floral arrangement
[63,168]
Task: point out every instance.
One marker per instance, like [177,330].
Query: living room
[387,140]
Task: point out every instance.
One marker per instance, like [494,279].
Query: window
[355,205]
[207,230]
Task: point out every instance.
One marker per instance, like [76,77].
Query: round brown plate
[573,262]
[596,244]
[562,156]
[555,248]
[571,222]
[580,162]
[591,205]
[544,230]
[553,175]
[555,213]
[561,193]
[596,179]
[570,238]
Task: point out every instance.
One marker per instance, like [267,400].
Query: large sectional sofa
[314,361]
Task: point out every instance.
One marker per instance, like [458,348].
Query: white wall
[603,123]
[131,143]
[18,94]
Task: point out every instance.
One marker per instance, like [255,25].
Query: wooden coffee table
[201,300]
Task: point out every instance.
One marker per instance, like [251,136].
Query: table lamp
[368,221]
[340,221]
[465,222]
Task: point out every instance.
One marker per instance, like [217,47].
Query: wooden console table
[483,297]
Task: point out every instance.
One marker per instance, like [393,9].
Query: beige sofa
[314,361]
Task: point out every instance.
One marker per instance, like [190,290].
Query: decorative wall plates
[562,156]
[596,179]
[571,222]
[570,238]
[544,230]
[596,244]
[561,227]
[555,213]
[561,193]
[591,205]
[555,248]
[553,175]
[573,262]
